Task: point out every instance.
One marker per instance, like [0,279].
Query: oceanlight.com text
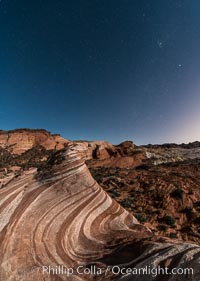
[116,270]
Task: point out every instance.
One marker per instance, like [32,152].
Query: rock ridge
[60,215]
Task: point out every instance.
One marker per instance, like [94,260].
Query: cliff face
[21,140]
[124,155]
[37,144]
[60,215]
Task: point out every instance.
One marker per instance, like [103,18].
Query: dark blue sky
[102,69]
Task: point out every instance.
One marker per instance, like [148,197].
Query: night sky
[102,69]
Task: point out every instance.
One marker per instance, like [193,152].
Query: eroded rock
[59,215]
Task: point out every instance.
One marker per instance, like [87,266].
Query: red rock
[59,216]
[20,140]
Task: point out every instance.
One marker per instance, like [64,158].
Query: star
[160,44]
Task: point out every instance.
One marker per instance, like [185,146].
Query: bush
[127,202]
[114,193]
[169,220]
[140,217]
[177,194]
[98,177]
[187,210]
[172,235]
[162,227]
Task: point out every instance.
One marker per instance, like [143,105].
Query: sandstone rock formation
[59,215]
[18,147]
[164,197]
[21,140]
[124,155]
[168,153]
[99,149]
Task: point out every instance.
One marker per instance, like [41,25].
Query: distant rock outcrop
[28,148]
[60,216]
[20,140]
[189,145]
[124,155]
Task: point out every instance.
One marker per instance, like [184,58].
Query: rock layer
[21,140]
[59,215]
[28,143]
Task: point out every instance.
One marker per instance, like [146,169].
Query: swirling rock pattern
[59,215]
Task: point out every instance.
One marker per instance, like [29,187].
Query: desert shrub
[187,210]
[114,192]
[169,220]
[121,184]
[126,203]
[177,193]
[190,192]
[172,235]
[143,167]
[197,204]
[162,227]
[5,157]
[98,177]
[140,217]
[157,212]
